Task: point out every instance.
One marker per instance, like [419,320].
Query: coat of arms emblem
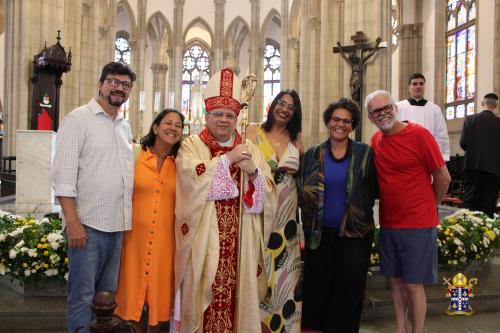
[460,292]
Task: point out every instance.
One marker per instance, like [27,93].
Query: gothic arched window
[272,65]
[196,66]
[122,48]
[460,58]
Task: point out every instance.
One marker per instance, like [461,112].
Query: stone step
[486,292]
[48,314]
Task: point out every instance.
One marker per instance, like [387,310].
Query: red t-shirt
[404,163]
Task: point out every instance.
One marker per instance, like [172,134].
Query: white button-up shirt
[94,164]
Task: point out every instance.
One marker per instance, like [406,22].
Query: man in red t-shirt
[412,178]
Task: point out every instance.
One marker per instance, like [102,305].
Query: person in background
[147,265]
[412,179]
[480,139]
[92,176]
[418,110]
[278,139]
[337,192]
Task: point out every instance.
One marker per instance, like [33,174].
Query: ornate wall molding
[87,7]
[159,68]
[315,23]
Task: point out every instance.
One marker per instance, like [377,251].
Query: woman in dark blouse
[337,188]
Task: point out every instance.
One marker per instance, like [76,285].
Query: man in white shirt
[93,177]
[418,110]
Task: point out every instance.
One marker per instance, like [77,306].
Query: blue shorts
[409,254]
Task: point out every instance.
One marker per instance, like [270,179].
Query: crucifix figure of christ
[356,56]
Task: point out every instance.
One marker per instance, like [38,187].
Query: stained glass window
[122,48]
[272,65]
[196,67]
[460,58]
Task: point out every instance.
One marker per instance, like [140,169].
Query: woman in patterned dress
[279,140]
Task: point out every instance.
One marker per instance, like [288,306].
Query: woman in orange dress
[147,264]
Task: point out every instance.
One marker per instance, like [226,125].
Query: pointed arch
[124,5]
[272,16]
[160,34]
[236,33]
[198,21]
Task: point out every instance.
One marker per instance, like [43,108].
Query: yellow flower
[452,220]
[447,232]
[491,234]
[43,240]
[37,267]
[452,234]
[448,238]
[40,246]
[66,260]
[46,253]
[25,265]
[46,265]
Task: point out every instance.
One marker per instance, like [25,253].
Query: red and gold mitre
[223,91]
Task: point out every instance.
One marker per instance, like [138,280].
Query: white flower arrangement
[467,235]
[31,249]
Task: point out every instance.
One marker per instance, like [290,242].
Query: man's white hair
[377,93]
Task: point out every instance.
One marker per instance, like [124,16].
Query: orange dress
[147,263]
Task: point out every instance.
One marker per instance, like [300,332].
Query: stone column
[310,32]
[410,55]
[71,90]
[496,83]
[138,56]
[331,85]
[218,46]
[440,53]
[159,81]
[175,78]
[170,89]
[256,62]
[90,64]
[285,61]
[106,33]
[2,16]
[292,70]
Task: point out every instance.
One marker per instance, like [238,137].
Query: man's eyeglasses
[220,114]
[377,112]
[115,83]
[284,104]
[343,120]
